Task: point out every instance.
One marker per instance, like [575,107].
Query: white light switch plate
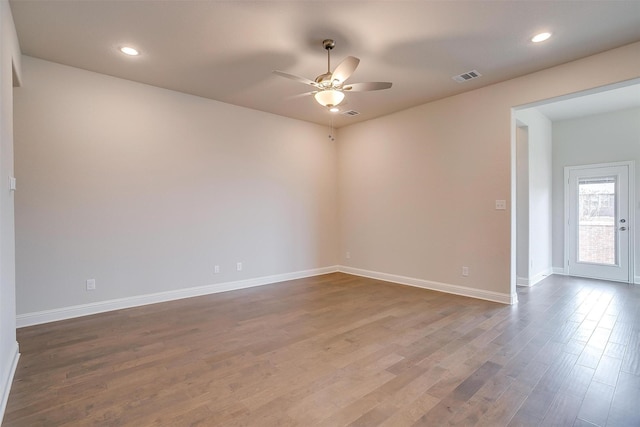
[12,183]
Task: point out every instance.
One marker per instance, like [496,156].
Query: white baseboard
[434,286]
[9,372]
[532,281]
[36,318]
[560,271]
[46,316]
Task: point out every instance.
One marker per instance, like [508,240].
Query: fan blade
[301,95]
[296,78]
[345,69]
[364,87]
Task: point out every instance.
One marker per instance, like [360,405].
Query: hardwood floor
[340,350]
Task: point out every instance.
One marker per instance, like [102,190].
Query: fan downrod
[328,44]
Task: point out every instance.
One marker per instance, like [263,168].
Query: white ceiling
[226,50]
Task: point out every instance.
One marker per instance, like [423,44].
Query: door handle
[623,229]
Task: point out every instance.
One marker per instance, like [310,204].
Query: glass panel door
[597,240]
[597,220]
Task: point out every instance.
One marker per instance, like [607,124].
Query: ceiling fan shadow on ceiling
[330,87]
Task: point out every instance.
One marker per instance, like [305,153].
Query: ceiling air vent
[350,113]
[469,75]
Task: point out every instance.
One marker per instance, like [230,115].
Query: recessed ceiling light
[129,51]
[540,37]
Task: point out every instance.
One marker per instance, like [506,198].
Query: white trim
[560,271]
[513,220]
[36,318]
[435,286]
[565,221]
[46,316]
[539,277]
[8,380]
[632,220]
[532,281]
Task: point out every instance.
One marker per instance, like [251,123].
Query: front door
[597,218]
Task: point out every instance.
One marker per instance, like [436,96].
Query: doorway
[588,128]
[597,218]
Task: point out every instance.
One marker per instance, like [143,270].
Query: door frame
[630,219]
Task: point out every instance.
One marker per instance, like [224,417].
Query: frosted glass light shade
[540,37]
[329,97]
[129,51]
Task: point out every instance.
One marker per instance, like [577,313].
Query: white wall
[145,190]
[418,188]
[9,59]
[418,191]
[539,179]
[602,138]
[522,204]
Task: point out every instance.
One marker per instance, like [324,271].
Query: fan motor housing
[324,78]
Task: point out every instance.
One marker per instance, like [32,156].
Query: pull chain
[331,137]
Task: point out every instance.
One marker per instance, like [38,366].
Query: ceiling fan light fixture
[330,89]
[329,97]
[538,38]
[128,50]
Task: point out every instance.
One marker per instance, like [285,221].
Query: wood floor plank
[338,350]
[563,410]
[596,403]
[608,370]
[577,381]
[503,410]
[631,359]
[624,405]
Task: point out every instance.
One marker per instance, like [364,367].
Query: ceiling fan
[330,87]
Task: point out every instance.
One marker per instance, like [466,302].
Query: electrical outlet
[501,205]
[216,269]
[465,271]
[239,266]
[91,284]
